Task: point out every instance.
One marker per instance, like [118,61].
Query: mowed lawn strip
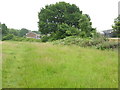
[43,65]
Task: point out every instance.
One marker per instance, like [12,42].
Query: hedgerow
[99,43]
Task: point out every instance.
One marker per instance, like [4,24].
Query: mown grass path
[40,65]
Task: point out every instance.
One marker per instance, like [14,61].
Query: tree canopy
[116,27]
[8,33]
[23,32]
[54,15]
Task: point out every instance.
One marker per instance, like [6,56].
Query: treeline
[10,33]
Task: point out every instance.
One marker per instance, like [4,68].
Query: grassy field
[40,65]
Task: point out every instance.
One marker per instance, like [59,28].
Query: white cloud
[24,13]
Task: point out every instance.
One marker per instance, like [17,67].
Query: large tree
[55,15]
[116,27]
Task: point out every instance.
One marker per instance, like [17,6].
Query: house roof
[32,33]
[108,31]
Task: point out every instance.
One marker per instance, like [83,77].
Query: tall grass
[43,65]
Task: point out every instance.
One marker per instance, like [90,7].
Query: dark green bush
[8,37]
[44,38]
[107,45]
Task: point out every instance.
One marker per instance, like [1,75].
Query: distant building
[108,33]
[32,35]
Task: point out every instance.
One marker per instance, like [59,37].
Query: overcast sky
[24,13]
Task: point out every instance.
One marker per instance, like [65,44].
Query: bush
[45,38]
[99,43]
[8,37]
[16,38]
[108,45]
[78,41]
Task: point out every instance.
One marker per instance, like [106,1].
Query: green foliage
[60,13]
[8,37]
[116,27]
[36,32]
[14,31]
[23,32]
[0,28]
[63,19]
[15,34]
[96,42]
[45,38]
[8,33]
[17,38]
[0,31]
[85,26]
[64,30]
[108,45]
[4,30]
[68,30]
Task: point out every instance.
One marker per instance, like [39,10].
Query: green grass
[43,65]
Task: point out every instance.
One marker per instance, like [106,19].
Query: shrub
[44,38]
[8,37]
[99,43]
[16,38]
[107,45]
